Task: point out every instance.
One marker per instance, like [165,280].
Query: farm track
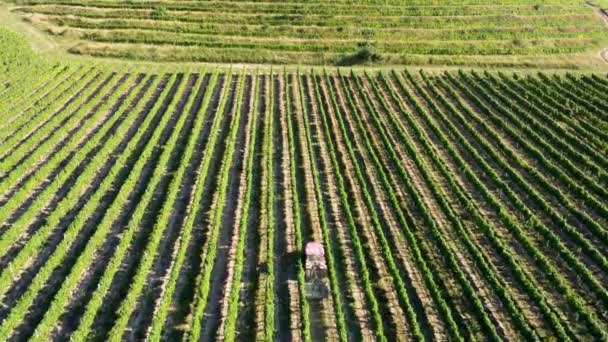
[455,205]
[310,200]
[322,165]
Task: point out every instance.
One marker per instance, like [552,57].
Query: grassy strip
[490,21]
[481,47]
[329,9]
[524,31]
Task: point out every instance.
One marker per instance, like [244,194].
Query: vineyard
[520,33]
[438,194]
[176,205]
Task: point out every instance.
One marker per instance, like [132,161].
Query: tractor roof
[314,248]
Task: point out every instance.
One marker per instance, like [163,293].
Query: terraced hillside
[176,205]
[550,33]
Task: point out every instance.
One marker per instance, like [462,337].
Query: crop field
[165,166]
[466,32]
[176,205]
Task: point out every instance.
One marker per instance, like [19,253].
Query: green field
[511,33]
[147,200]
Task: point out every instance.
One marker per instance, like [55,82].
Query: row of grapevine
[463,232]
[25,111]
[219,202]
[42,174]
[21,88]
[44,84]
[588,138]
[503,248]
[176,206]
[366,273]
[565,161]
[179,263]
[547,208]
[26,132]
[578,149]
[154,164]
[230,330]
[70,234]
[542,259]
[34,171]
[418,246]
[321,213]
[445,205]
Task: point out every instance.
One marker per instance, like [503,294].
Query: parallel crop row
[167,206]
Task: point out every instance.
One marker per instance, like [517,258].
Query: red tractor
[316,271]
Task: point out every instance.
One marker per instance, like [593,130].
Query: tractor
[316,271]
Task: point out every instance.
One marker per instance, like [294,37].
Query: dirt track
[603,14]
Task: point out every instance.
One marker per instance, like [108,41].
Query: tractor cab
[316,271]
